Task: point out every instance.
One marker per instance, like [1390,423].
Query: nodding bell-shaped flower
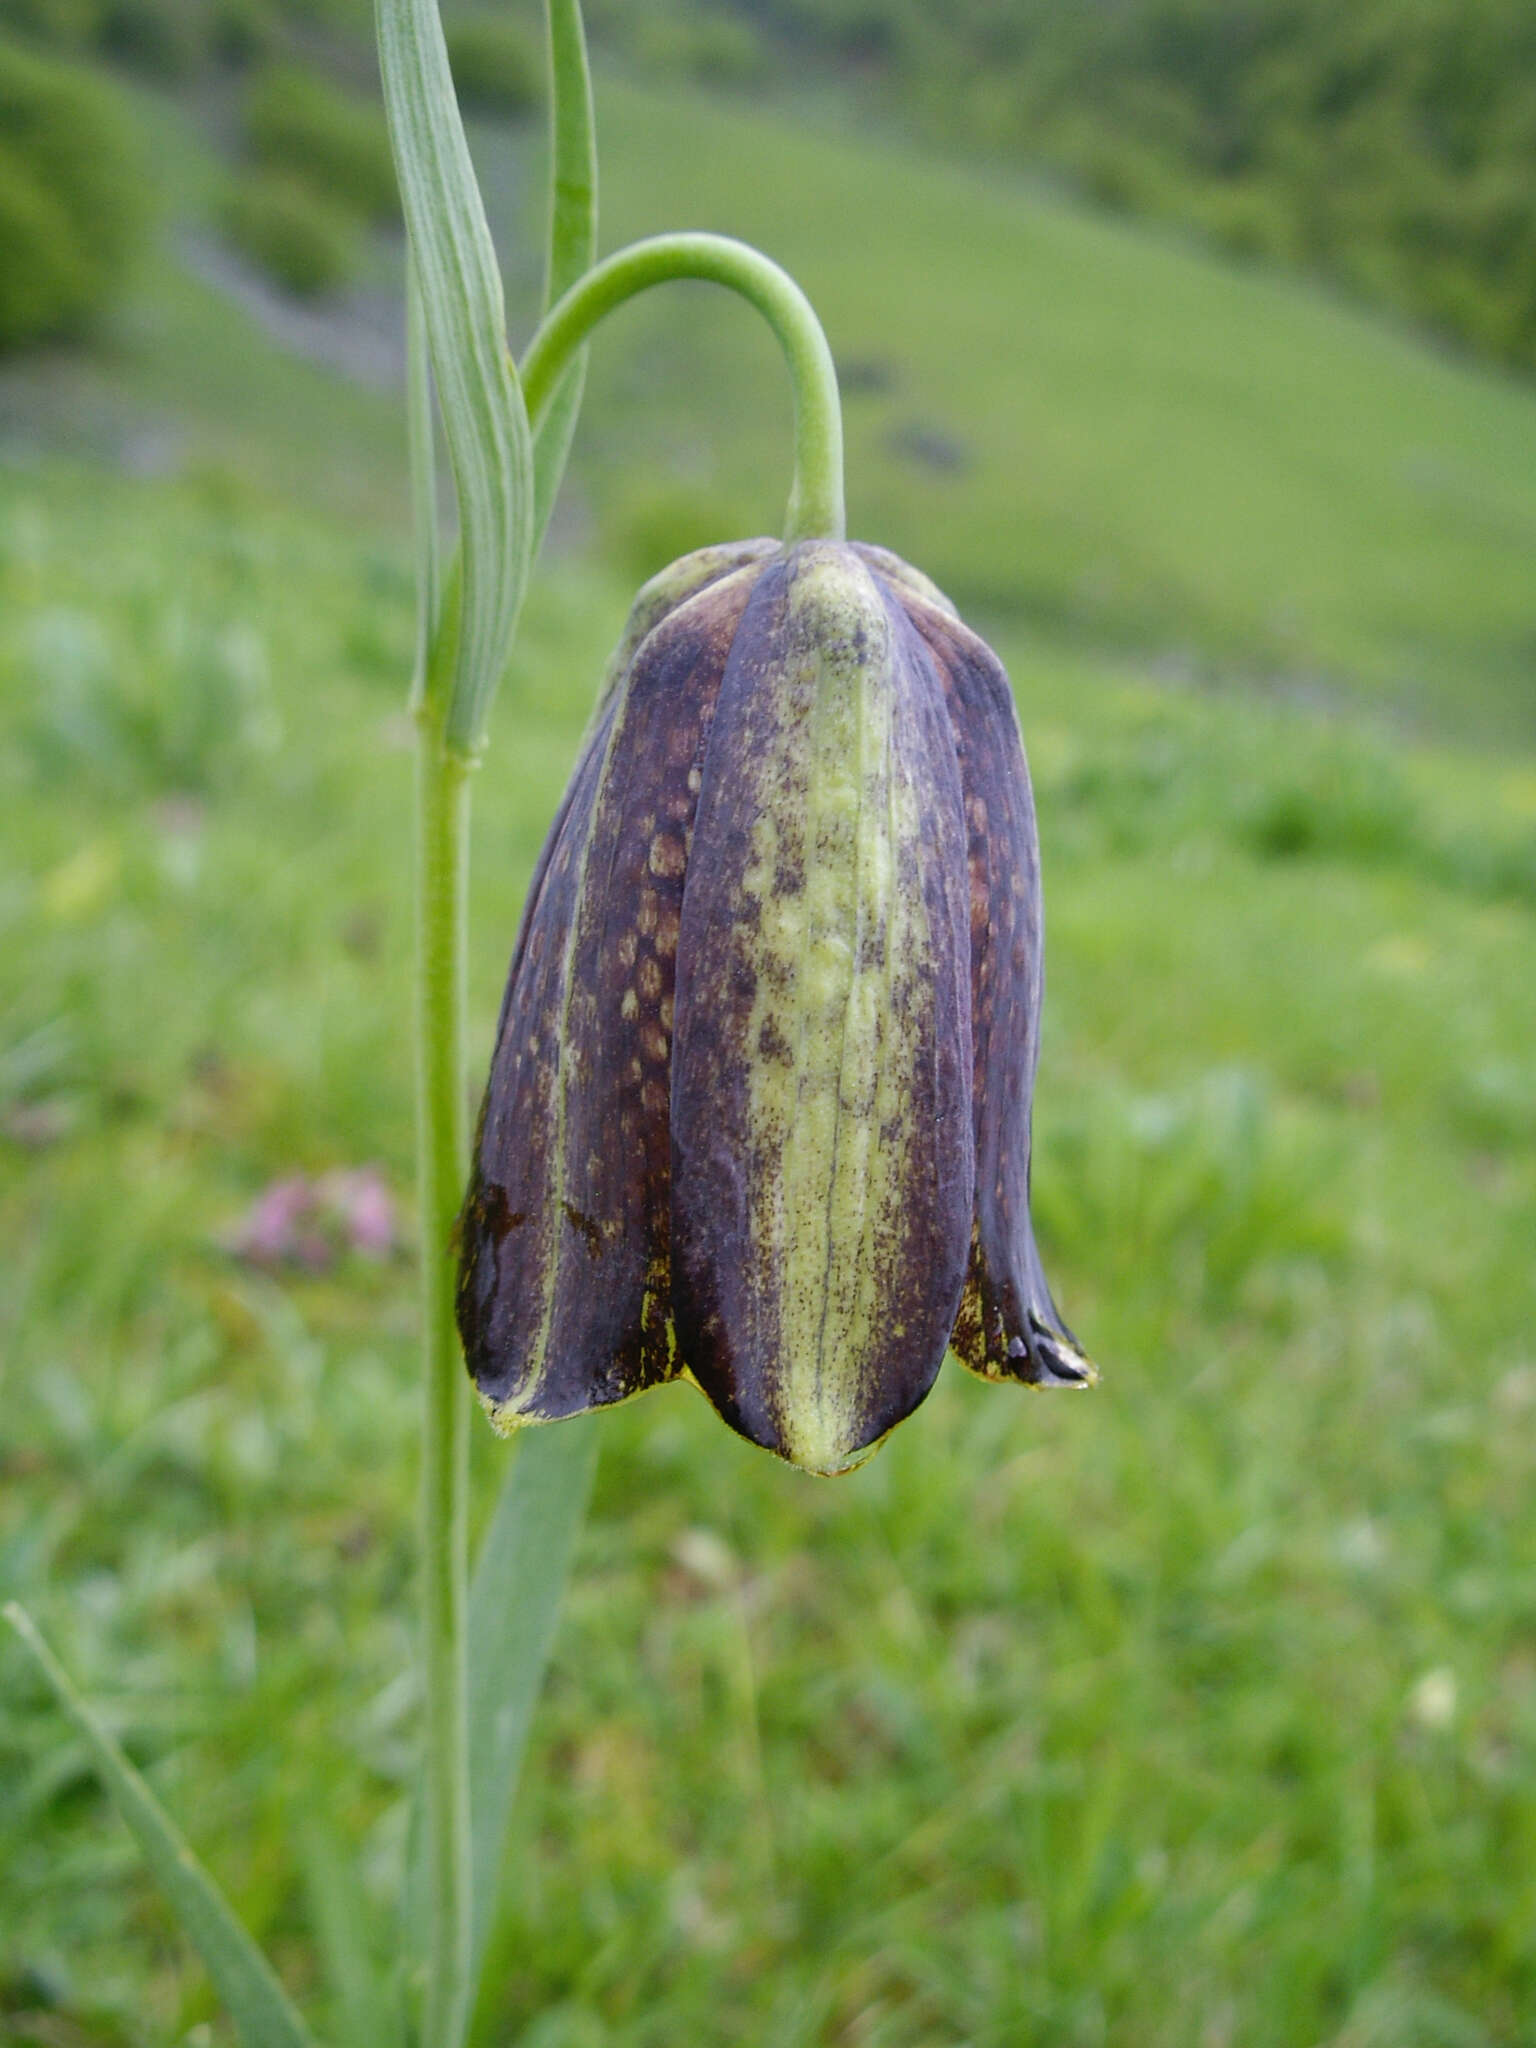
[759,1112]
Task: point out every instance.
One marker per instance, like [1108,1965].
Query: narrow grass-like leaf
[552,445]
[514,1604]
[422,445]
[573,153]
[572,234]
[368,2007]
[256,2001]
[484,420]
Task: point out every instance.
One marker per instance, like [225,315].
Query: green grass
[1199,1711]
[1122,1718]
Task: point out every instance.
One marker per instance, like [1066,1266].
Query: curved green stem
[816,498]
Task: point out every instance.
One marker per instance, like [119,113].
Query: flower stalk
[816,496]
[451,697]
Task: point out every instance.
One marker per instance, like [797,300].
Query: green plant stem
[816,497]
[450,724]
[442,872]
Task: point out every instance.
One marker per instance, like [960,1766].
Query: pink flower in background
[299,1221]
[362,1202]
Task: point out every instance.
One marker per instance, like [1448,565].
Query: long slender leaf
[573,153]
[572,234]
[484,420]
[369,2009]
[256,2001]
[514,1605]
[423,466]
[552,444]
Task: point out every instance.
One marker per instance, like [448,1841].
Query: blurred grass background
[1199,1712]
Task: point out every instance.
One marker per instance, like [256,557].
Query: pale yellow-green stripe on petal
[821,1122]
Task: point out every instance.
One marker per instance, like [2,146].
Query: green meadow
[1197,1712]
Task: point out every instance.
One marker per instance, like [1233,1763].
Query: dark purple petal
[1008,1326]
[669,588]
[903,579]
[564,1285]
[823,1166]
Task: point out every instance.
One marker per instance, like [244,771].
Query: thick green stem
[442,873]
[442,868]
[816,498]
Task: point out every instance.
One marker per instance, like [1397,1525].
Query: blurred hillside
[1115,439]
[1389,146]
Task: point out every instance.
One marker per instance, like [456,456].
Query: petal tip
[503,1416]
[826,1453]
[1052,1360]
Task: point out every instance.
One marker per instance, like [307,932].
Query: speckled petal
[823,1165]
[902,578]
[1008,1326]
[564,1287]
[666,590]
